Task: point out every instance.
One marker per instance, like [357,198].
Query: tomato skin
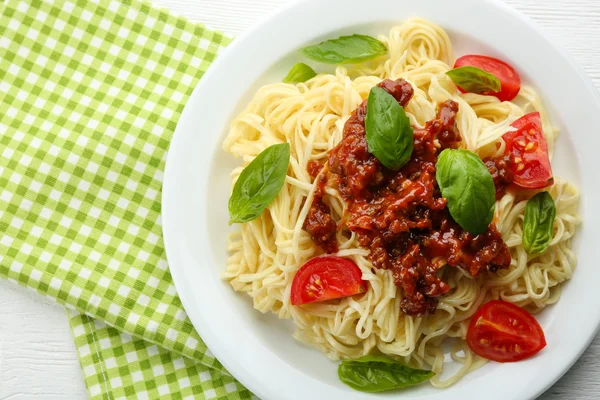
[501,331]
[510,81]
[325,278]
[531,167]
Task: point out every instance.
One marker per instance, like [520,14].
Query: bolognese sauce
[401,215]
[319,222]
[501,170]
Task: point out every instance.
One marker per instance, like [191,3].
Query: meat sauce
[314,167]
[501,170]
[400,216]
[319,222]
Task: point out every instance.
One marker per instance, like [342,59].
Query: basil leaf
[259,183]
[388,131]
[474,80]
[538,222]
[299,73]
[468,188]
[345,50]
[377,374]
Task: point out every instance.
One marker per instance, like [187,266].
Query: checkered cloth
[117,365]
[90,93]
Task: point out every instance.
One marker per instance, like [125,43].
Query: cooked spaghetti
[266,253]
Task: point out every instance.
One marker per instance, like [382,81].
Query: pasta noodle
[266,252]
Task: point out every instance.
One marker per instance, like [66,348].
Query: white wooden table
[37,355]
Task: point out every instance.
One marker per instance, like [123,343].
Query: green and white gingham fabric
[117,365]
[90,94]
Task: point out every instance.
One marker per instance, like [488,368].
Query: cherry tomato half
[529,148]
[325,278]
[501,331]
[509,79]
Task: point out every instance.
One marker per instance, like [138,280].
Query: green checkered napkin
[90,93]
[116,365]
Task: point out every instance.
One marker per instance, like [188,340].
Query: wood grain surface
[37,355]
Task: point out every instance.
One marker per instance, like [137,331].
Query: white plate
[259,349]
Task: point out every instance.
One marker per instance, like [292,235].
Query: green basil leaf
[377,374]
[299,73]
[474,80]
[538,222]
[388,131]
[259,183]
[468,188]
[345,50]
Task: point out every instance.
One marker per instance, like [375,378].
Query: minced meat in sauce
[501,170]
[314,167]
[319,222]
[401,216]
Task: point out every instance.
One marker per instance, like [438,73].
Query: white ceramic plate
[259,349]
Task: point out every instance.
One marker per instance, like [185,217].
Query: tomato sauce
[400,216]
[501,169]
[314,167]
[319,222]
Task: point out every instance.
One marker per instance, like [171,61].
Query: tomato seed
[531,146]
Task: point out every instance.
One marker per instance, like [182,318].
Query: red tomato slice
[509,79]
[501,331]
[531,167]
[325,278]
